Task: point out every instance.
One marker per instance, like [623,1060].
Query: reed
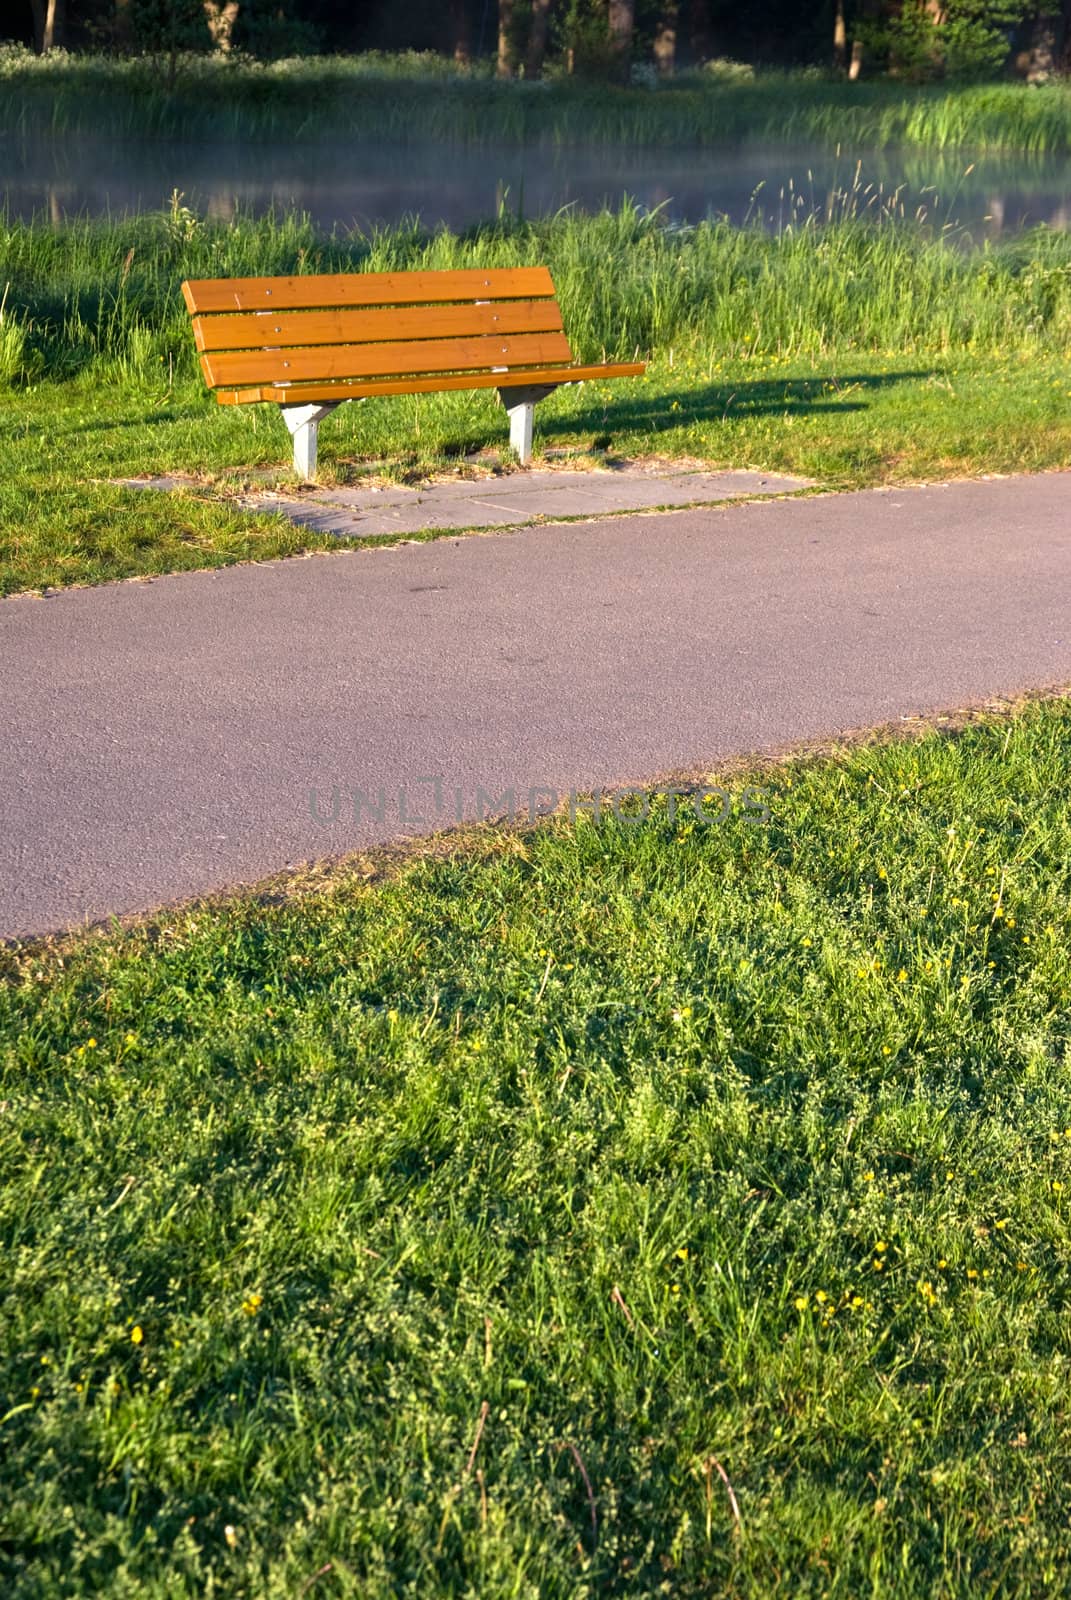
[94,295]
[420,98]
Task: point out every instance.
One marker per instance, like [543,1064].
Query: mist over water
[365,185]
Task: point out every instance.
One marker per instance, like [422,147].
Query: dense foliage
[910,38]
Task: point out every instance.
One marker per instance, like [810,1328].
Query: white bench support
[304,422]
[520,406]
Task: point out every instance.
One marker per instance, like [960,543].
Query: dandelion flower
[136,1334]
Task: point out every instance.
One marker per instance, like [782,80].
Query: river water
[368,185]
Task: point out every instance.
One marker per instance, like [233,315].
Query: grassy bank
[474,1232]
[425,98]
[861,352]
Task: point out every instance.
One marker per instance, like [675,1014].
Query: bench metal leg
[520,406]
[304,422]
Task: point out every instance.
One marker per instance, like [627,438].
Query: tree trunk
[121,26]
[47,25]
[1039,60]
[665,42]
[537,39]
[621,17]
[840,37]
[506,63]
[462,30]
[222,15]
[699,32]
[855,66]
[1065,37]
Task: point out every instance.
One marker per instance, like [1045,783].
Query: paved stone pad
[512,499]
[162,738]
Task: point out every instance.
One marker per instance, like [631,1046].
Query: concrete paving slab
[514,497]
[500,501]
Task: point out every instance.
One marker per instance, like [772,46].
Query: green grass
[865,351]
[398,100]
[666,1150]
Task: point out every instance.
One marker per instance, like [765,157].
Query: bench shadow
[736,401]
[114,424]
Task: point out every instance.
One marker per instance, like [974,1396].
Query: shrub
[967,39]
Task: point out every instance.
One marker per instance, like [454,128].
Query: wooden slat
[365,289]
[357,361]
[300,393]
[258,330]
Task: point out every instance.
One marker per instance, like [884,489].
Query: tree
[47,25]
[168,29]
[929,39]
[460,21]
[622,18]
[221,16]
[1042,50]
[537,38]
[665,39]
[840,37]
[506,54]
[699,31]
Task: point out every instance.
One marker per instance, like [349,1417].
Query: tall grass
[423,98]
[92,294]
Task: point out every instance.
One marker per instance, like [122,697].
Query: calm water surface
[365,185]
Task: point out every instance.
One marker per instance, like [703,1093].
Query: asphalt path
[166,738]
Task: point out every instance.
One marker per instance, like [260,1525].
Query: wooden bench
[308,343]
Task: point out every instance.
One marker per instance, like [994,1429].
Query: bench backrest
[368,325]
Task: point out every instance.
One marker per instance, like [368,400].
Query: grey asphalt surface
[164,739]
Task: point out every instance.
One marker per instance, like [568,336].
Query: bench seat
[309,343]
